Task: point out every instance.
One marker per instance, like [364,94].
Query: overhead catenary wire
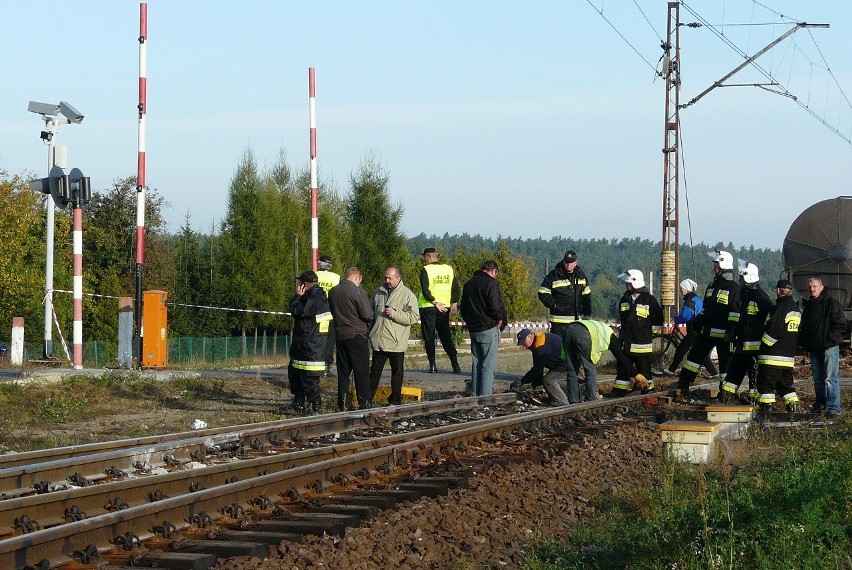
[617,31]
[783,90]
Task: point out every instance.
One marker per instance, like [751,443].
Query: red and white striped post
[312,103]
[140,169]
[77,232]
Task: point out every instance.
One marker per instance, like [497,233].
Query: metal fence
[182,350]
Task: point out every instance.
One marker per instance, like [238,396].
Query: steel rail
[56,544]
[8,460]
[18,480]
[49,508]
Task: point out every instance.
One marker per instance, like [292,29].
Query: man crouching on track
[312,320]
[548,353]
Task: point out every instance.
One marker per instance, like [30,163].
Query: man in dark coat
[352,314]
[485,316]
[311,323]
[822,330]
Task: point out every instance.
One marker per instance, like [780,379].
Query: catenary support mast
[670,265]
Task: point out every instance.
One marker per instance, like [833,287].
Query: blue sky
[493,118]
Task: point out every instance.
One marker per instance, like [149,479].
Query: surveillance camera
[43,108]
[70,112]
[46,136]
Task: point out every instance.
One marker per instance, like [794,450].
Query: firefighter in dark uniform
[716,324]
[566,294]
[326,280]
[755,304]
[641,317]
[311,324]
[778,351]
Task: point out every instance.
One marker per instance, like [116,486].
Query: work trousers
[353,356]
[552,385]
[824,368]
[396,362]
[305,387]
[483,349]
[432,321]
[773,380]
[578,347]
[682,350]
[330,345]
[741,363]
[701,350]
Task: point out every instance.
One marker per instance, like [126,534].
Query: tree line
[249,259]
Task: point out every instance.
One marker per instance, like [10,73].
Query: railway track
[247,486]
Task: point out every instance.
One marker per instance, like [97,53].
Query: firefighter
[755,305]
[311,324]
[778,351]
[641,317]
[716,324]
[566,294]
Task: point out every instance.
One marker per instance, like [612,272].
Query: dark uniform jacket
[640,319]
[566,295]
[778,344]
[481,304]
[721,307]
[823,323]
[351,309]
[312,320]
[547,352]
[754,307]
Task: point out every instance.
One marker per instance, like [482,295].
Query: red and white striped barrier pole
[140,170]
[77,231]
[312,103]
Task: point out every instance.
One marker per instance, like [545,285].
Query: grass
[118,404]
[791,508]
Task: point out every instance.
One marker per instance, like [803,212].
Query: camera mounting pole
[50,115]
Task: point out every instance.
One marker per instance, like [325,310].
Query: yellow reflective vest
[327,279]
[440,278]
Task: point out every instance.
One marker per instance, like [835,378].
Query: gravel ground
[491,524]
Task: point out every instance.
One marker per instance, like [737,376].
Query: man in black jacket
[352,314]
[312,320]
[485,316]
[821,332]
[566,294]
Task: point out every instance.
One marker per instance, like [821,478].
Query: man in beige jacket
[394,310]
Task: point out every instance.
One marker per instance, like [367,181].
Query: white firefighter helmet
[748,271]
[725,259]
[634,277]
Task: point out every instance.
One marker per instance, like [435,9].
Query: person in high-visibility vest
[439,297]
[326,280]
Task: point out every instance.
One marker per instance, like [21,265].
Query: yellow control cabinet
[155,344]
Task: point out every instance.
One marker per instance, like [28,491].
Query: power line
[600,12]
[782,89]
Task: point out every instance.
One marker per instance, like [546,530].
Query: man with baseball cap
[311,323]
[438,300]
[566,294]
[777,353]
